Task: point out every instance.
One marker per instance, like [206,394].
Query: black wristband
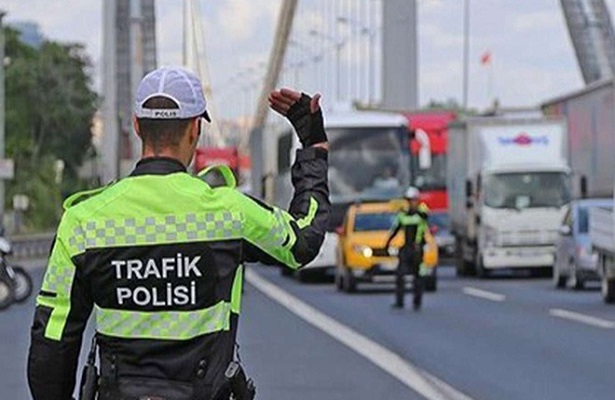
[309,126]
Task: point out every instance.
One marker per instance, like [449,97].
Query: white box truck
[509,183]
[602,236]
[591,137]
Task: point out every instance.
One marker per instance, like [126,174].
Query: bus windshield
[432,178]
[367,163]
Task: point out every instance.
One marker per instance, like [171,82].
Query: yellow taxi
[361,255]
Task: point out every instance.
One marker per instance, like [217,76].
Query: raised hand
[303,112]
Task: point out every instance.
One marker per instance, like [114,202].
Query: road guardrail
[31,246]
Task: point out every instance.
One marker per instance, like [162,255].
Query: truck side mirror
[469,189]
[564,230]
[425,150]
[469,192]
[583,186]
[424,158]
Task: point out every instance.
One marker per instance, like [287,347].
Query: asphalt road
[286,356]
[510,337]
[502,338]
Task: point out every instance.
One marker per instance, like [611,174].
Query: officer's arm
[423,211]
[394,230]
[62,310]
[292,238]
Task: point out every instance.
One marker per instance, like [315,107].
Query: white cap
[412,193]
[176,84]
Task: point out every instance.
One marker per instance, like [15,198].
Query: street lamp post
[371,35]
[466,52]
[2,110]
[312,56]
[339,45]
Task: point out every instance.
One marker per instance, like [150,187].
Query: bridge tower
[129,52]
[591,32]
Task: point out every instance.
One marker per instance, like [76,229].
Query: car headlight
[365,251]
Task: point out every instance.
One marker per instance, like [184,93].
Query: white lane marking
[582,318]
[413,377]
[483,294]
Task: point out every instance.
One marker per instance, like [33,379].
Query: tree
[50,106]
[450,104]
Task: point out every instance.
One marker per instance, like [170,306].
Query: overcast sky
[533,58]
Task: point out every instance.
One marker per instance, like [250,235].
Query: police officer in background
[413,221]
[158,255]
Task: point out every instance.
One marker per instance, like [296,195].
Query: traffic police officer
[158,255]
[413,221]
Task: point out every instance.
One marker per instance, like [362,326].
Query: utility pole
[2,111]
[339,46]
[137,71]
[258,142]
[399,72]
[466,52]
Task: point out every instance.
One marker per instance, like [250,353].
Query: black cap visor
[206,116]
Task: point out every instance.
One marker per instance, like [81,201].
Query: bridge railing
[31,246]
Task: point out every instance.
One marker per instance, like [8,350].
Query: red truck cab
[428,148]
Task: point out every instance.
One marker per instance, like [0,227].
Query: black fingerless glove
[309,126]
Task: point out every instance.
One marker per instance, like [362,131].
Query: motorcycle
[15,282]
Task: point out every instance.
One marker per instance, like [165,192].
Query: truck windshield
[526,190]
[432,178]
[368,163]
[364,222]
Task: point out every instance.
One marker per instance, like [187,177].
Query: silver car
[439,227]
[575,262]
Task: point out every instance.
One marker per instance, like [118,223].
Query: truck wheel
[463,268]
[460,268]
[608,290]
[349,282]
[481,271]
[460,262]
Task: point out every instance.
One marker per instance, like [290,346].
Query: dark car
[575,261]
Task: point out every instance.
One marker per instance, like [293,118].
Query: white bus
[369,160]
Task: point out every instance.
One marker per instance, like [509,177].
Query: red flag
[485,58]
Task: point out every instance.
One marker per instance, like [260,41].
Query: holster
[89,376]
[237,385]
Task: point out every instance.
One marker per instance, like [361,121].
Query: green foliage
[49,111]
[40,186]
[449,105]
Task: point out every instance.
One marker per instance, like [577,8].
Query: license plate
[389,266]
